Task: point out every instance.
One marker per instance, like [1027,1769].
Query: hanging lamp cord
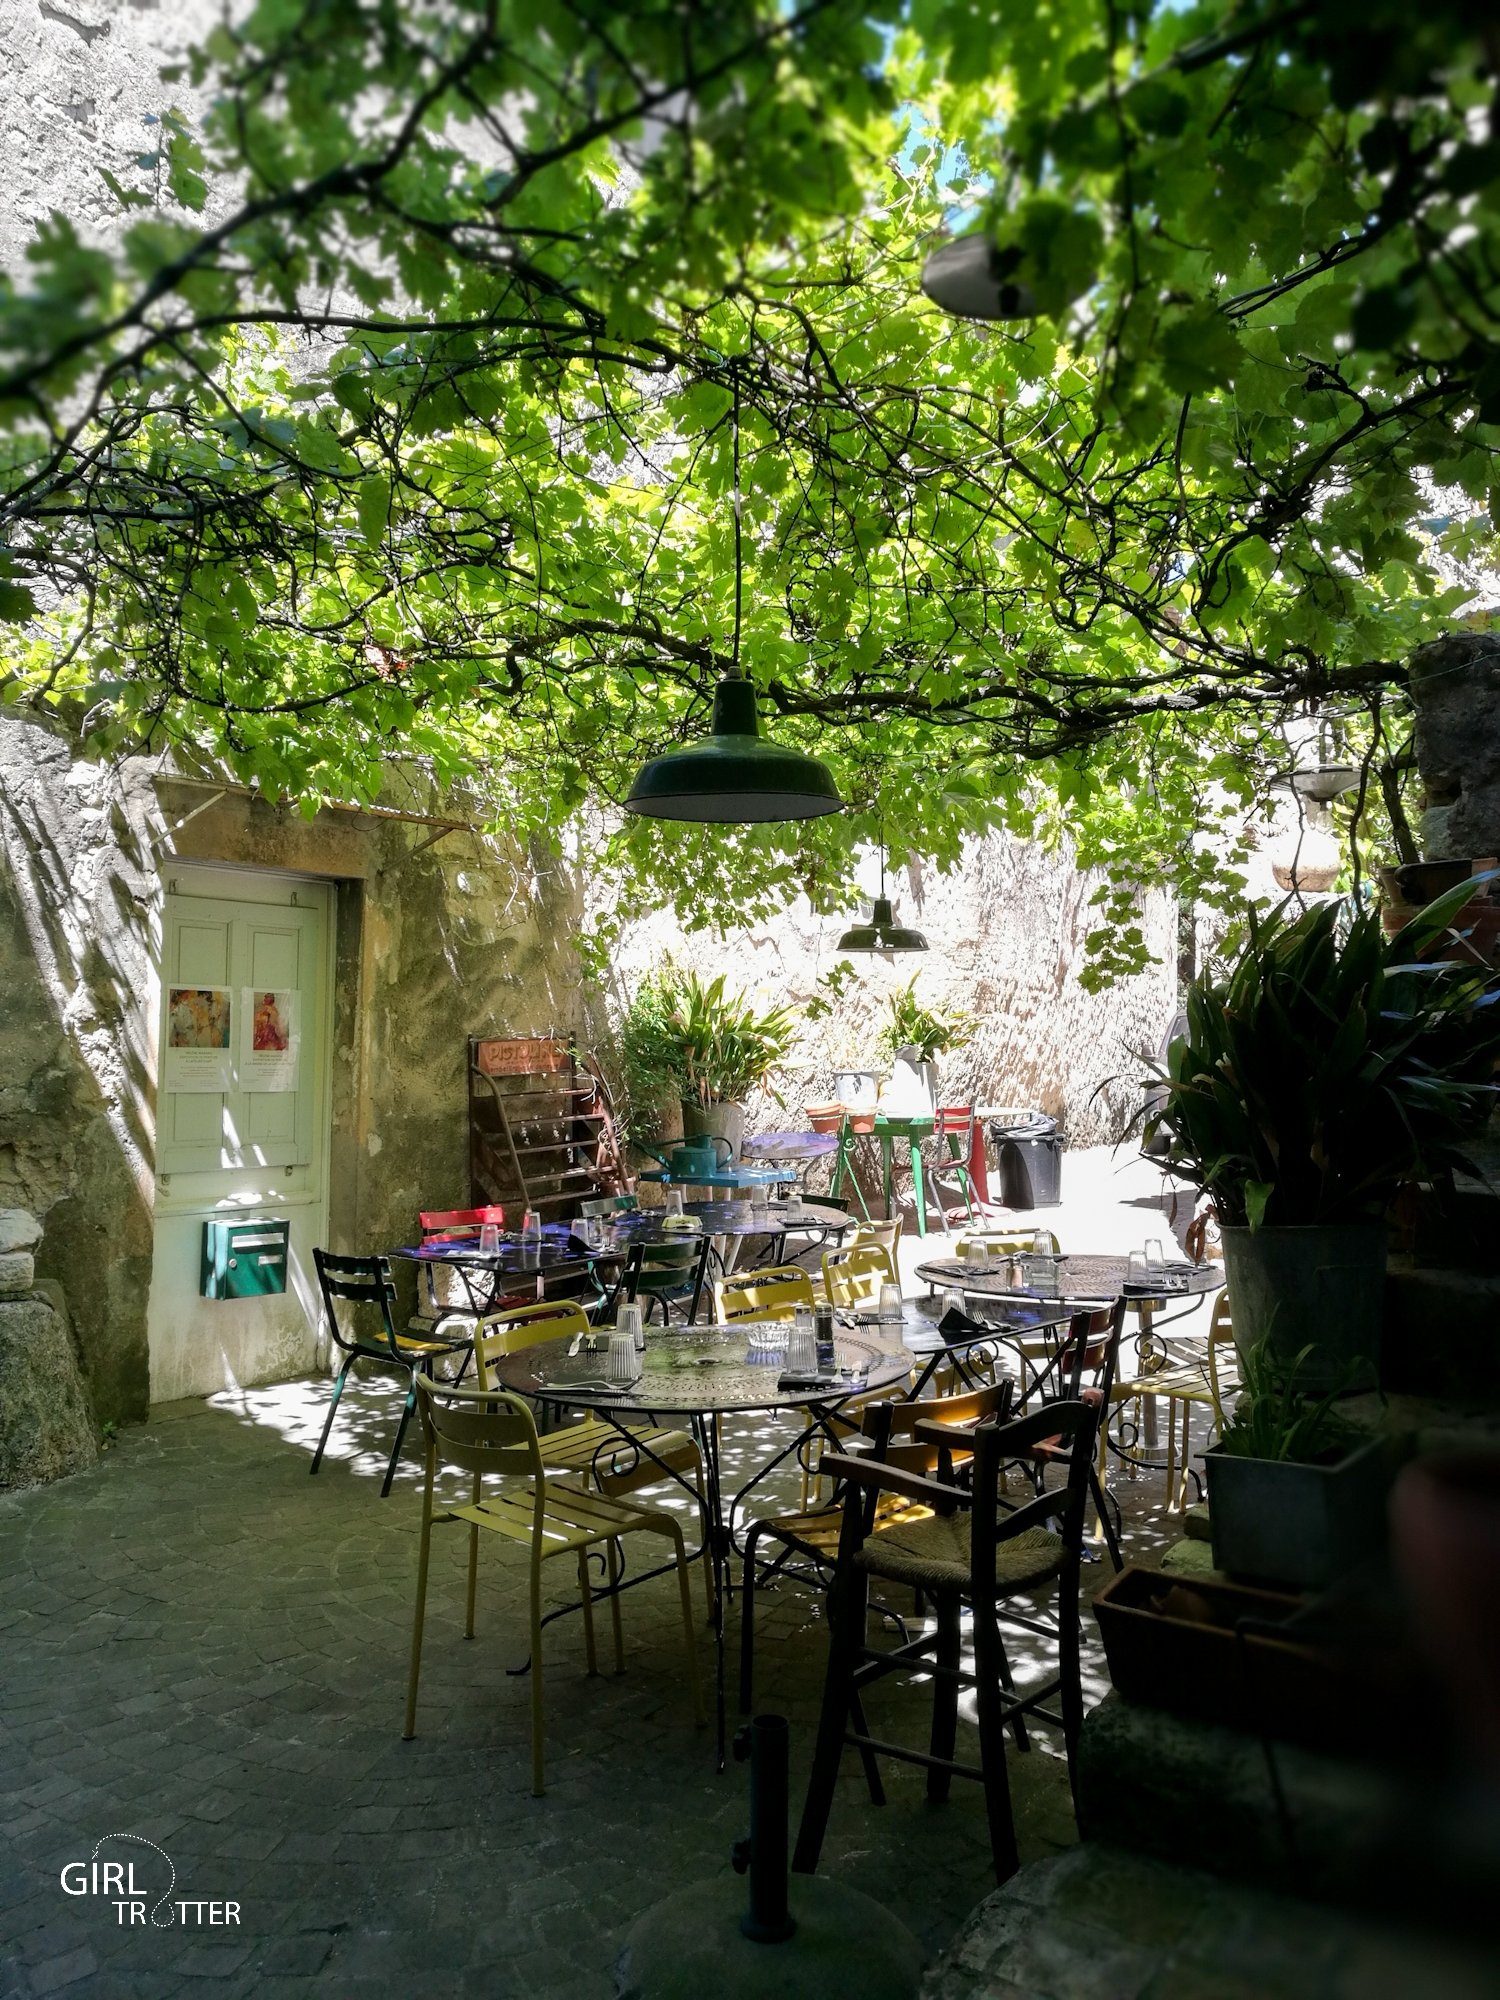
[739,554]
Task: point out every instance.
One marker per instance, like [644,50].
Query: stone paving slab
[207,1648]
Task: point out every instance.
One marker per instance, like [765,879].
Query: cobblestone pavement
[206,1649]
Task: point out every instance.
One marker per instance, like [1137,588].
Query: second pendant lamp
[882,932]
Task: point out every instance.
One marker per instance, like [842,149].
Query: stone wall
[440,933]
[1455,686]
[1006,934]
[78,902]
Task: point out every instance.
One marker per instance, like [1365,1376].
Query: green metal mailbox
[244,1258]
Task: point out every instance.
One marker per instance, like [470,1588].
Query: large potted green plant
[916,1034]
[711,1048]
[1331,1066]
[1296,1493]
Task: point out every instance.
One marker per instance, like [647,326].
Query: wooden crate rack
[542,1131]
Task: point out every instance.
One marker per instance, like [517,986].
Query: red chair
[451,1225]
[458,1225]
[952,1149]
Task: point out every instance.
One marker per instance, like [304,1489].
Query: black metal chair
[1082,1369]
[669,1275]
[366,1282]
[971,1549]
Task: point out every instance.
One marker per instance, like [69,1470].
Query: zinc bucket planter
[1321,1287]
[1297,1526]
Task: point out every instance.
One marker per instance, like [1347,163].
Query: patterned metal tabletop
[702,1370]
[1080,1278]
[728,1218]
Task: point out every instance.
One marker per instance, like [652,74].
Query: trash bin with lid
[1029,1149]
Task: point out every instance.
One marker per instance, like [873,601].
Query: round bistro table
[1089,1280]
[697,1375]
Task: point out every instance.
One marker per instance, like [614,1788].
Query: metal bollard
[764,1854]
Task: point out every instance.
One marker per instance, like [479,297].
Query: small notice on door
[200,1021]
[270,1034]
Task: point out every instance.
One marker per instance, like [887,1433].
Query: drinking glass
[628,1320]
[1135,1271]
[1156,1262]
[802,1348]
[976,1251]
[889,1310]
[489,1240]
[621,1366]
[953,1302]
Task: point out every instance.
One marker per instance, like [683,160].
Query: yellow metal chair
[488,1432]
[1184,1383]
[775,1291]
[591,1448]
[853,1276]
[1007,1242]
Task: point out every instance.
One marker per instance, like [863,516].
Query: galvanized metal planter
[1299,1526]
[1321,1287]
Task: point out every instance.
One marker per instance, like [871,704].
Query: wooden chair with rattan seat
[591,1448]
[491,1433]
[365,1285]
[969,1550]
[809,1540]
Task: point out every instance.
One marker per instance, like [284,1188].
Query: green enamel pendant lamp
[882,932]
[734,775]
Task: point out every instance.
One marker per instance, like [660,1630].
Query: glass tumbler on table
[489,1240]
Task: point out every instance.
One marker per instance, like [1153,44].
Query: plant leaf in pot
[1296,1492]
[1329,1067]
[708,1046]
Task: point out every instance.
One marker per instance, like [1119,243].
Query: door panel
[239,1151]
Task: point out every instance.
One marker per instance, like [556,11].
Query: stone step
[1099,1923]
[1369,1836]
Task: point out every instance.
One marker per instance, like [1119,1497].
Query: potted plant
[717,1051]
[1328,1069]
[917,1035]
[1296,1492]
[649,1061]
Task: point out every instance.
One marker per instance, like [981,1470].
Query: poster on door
[270,1035]
[200,1022]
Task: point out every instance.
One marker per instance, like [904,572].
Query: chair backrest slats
[459,1224]
[776,1291]
[359,1281]
[520,1327]
[483,1430]
[854,1276]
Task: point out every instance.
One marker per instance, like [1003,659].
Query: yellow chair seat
[571,1517]
[817,1533]
[408,1345]
[596,1447]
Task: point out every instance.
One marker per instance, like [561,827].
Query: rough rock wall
[82,81]
[1455,687]
[439,935]
[454,940]
[1006,935]
[78,905]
